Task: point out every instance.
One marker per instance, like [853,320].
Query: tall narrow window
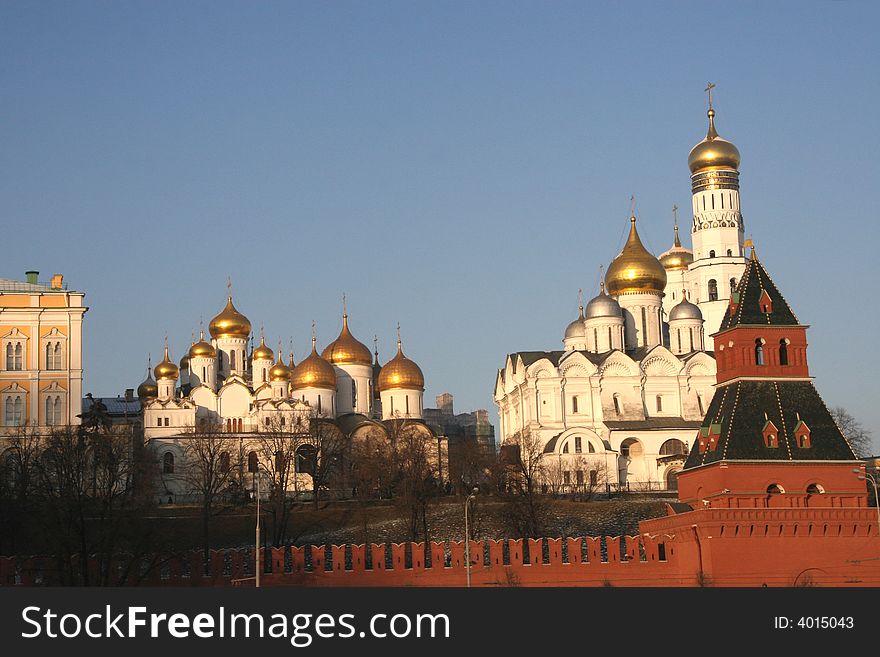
[732,284]
[691,333]
[759,352]
[578,445]
[678,334]
[17,409]
[18,353]
[9,412]
[58,410]
[700,404]
[252,462]
[729,253]
[50,411]
[617,407]
[712,253]
[204,374]
[232,359]
[264,375]
[354,395]
[596,339]
[168,463]
[574,404]
[407,404]
[783,352]
[644,336]
[224,462]
[319,404]
[713,286]
[659,403]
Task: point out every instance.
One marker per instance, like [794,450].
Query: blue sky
[462,168]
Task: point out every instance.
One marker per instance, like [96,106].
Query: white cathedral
[620,404]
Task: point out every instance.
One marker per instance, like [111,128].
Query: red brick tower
[767,440]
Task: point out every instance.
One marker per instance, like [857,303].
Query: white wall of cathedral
[685,336]
[203,372]
[231,355]
[604,334]
[321,400]
[353,385]
[578,342]
[401,404]
[642,314]
[260,371]
[166,388]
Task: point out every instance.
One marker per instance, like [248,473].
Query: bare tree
[330,447]
[212,470]
[278,443]
[470,464]
[416,472]
[595,476]
[523,462]
[858,436]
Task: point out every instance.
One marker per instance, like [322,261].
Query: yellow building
[41,368]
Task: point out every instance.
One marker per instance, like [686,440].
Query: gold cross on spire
[709,88]
[632,205]
[675,215]
[229,286]
[398,335]
[344,311]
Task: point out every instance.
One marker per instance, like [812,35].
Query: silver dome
[684,309]
[603,306]
[576,329]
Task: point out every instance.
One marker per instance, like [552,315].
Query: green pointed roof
[754,282]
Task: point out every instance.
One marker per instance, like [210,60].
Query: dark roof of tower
[739,412]
[754,282]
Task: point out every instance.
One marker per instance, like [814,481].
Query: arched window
[354,395]
[783,352]
[712,253]
[590,448]
[224,462]
[10,357]
[50,411]
[17,411]
[252,461]
[574,404]
[759,352]
[775,489]
[617,405]
[9,412]
[713,289]
[168,463]
[578,445]
[815,489]
[672,446]
[659,403]
[280,461]
[565,448]
[672,480]
[232,359]
[58,410]
[729,253]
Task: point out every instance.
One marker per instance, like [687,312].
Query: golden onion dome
[313,372]
[279,371]
[202,349]
[346,349]
[230,323]
[635,269]
[678,257]
[148,388]
[713,152]
[184,362]
[400,373]
[166,369]
[263,352]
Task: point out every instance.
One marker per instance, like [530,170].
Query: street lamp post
[873,480]
[257,540]
[467,536]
